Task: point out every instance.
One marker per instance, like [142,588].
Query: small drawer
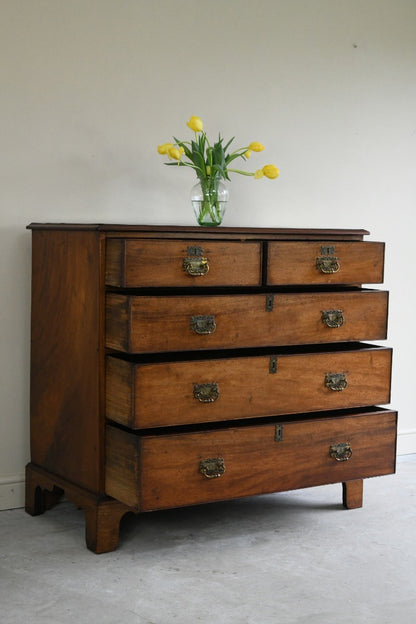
[325,263]
[133,263]
[152,324]
[149,472]
[160,394]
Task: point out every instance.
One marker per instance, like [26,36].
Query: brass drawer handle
[340,452]
[206,393]
[332,318]
[328,264]
[196,266]
[336,381]
[203,324]
[212,468]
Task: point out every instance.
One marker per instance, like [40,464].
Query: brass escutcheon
[203,324]
[212,468]
[327,250]
[328,264]
[332,318]
[207,392]
[336,381]
[340,452]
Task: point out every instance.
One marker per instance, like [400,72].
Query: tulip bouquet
[211,164]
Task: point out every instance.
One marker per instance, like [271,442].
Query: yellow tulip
[174,152]
[259,174]
[163,149]
[255,146]
[195,124]
[247,154]
[270,171]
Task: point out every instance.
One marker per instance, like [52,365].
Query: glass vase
[209,200]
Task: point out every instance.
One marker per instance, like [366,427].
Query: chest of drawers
[176,366]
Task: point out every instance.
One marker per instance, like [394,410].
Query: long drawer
[325,263]
[150,472]
[132,263]
[155,394]
[146,324]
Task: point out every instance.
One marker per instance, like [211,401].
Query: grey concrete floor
[296,557]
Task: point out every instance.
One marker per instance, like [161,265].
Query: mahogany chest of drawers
[174,366]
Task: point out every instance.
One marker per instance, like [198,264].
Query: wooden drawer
[150,472]
[132,263]
[151,324]
[308,262]
[140,395]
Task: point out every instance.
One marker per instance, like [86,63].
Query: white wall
[90,87]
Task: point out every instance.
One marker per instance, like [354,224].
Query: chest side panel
[66,356]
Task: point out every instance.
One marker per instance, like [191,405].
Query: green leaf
[232,157]
[228,144]
[184,144]
[198,160]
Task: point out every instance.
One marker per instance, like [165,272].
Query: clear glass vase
[209,200]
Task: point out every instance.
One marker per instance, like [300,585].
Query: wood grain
[352,494]
[206,233]
[133,263]
[67,434]
[254,462]
[162,394]
[143,324]
[295,263]
[115,423]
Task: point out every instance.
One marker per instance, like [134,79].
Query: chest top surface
[227,233]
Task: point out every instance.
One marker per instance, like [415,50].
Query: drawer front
[132,263]
[157,472]
[177,393]
[141,324]
[325,263]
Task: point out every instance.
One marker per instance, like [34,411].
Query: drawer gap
[235,290]
[247,422]
[184,356]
